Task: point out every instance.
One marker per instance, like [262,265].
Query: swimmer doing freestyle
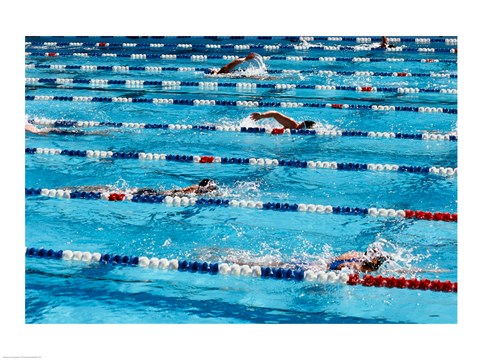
[361,262]
[205,186]
[29,128]
[228,69]
[232,65]
[286,121]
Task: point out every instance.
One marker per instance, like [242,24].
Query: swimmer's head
[307,124]
[204,182]
[375,263]
[207,185]
[374,258]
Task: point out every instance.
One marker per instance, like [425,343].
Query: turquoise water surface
[59,291]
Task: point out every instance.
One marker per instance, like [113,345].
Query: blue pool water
[78,292]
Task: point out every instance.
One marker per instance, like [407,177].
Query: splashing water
[400,259]
[374,45]
[245,190]
[250,123]
[310,44]
[256,68]
[270,124]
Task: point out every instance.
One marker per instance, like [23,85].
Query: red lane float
[402,74]
[402,283]
[366,88]
[278,131]
[116,197]
[207,159]
[427,215]
[337,106]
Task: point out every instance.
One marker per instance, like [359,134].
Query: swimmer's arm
[34,130]
[230,66]
[189,189]
[284,120]
[186,190]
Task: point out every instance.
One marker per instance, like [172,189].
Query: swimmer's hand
[250,56]
[255,116]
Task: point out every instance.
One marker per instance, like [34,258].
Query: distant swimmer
[205,186]
[259,72]
[51,130]
[385,43]
[232,65]
[282,119]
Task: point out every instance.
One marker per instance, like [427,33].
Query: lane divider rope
[250,204]
[256,130]
[361,40]
[232,57]
[240,47]
[213,85]
[443,171]
[239,103]
[214,268]
[124,68]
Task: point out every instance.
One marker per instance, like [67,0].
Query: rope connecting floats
[259,205]
[444,171]
[197,102]
[239,47]
[297,274]
[232,57]
[361,40]
[239,86]
[122,68]
[252,130]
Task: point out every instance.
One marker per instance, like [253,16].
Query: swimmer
[385,43]
[232,65]
[356,261]
[50,130]
[287,122]
[369,261]
[205,186]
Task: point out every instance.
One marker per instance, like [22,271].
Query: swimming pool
[384,143]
